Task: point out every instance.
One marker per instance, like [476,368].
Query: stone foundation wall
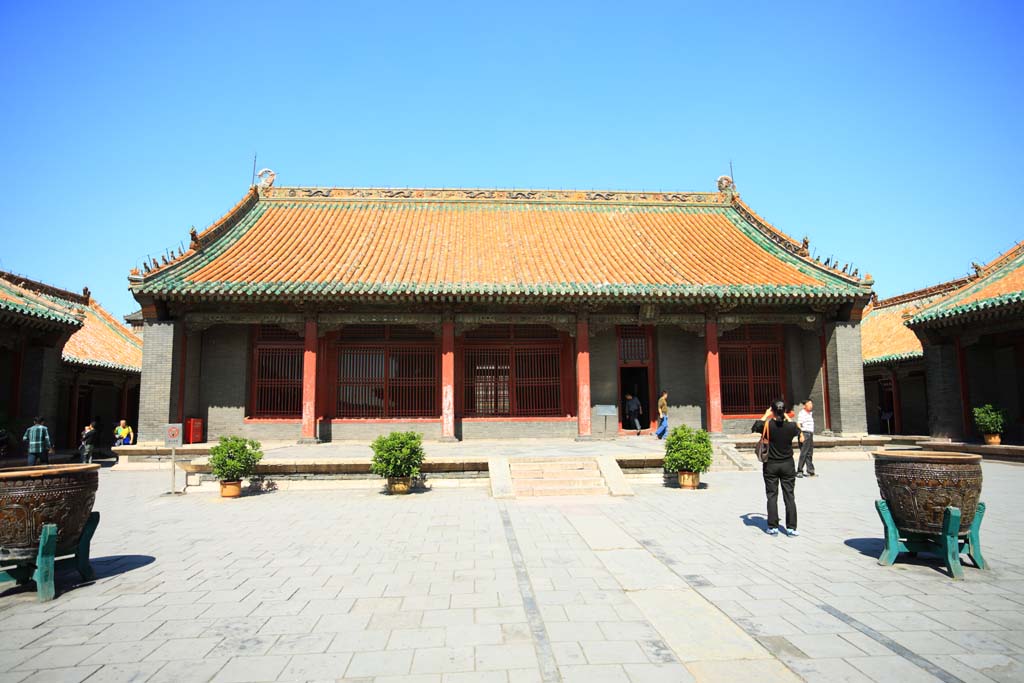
[514,429]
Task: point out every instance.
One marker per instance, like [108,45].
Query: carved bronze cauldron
[918,485]
[48,494]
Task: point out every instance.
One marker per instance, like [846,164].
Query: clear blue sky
[890,133]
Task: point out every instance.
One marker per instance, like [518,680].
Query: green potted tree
[397,457]
[688,453]
[990,422]
[232,460]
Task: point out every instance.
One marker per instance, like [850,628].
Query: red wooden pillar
[965,392]
[15,404]
[712,376]
[124,403]
[73,425]
[897,403]
[582,377]
[448,380]
[182,373]
[309,382]
[824,379]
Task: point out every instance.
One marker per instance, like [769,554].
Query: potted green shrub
[232,460]
[688,453]
[397,457]
[990,422]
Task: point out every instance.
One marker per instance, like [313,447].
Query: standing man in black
[633,412]
[780,467]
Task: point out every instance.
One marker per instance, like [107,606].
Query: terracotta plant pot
[689,480]
[44,494]
[399,485]
[918,485]
[230,489]
[993,440]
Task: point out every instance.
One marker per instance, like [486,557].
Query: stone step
[553,465]
[557,477]
[556,474]
[583,482]
[591,491]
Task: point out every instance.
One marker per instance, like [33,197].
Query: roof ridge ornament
[726,185]
[266,179]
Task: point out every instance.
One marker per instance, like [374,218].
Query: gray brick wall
[914,403]
[158,398]
[604,384]
[803,372]
[992,378]
[846,378]
[943,385]
[681,358]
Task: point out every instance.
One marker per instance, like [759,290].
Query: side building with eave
[65,358]
[932,355]
[895,386]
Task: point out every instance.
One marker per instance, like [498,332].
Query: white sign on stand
[172,439]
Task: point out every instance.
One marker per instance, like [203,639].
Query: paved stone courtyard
[451,586]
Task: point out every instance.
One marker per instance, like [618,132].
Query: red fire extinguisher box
[194,430]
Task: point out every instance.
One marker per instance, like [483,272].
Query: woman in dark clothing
[88,442]
[779,467]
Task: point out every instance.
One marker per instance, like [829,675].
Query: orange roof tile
[100,339]
[104,342]
[335,242]
[884,337]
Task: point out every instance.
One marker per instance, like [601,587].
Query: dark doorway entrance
[634,381]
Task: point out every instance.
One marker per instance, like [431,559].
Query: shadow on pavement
[872,547]
[68,579]
[756,520]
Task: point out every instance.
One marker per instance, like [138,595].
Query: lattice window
[507,380]
[277,374]
[387,381]
[751,369]
[633,346]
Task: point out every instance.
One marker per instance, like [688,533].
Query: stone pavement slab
[453,586]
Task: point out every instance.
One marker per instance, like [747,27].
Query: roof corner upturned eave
[995,290]
[799,251]
[199,243]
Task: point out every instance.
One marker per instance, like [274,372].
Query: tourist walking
[37,438]
[123,434]
[88,442]
[633,412]
[662,415]
[779,468]
[805,421]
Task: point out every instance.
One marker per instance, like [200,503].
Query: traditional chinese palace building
[932,355]
[65,358]
[319,313]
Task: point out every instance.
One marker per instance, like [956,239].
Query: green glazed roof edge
[893,358]
[949,308]
[36,311]
[100,363]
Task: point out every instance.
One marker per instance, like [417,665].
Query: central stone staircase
[557,477]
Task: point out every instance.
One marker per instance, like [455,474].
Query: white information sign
[172,438]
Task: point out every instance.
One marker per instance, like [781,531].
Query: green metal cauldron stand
[948,545]
[46,565]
